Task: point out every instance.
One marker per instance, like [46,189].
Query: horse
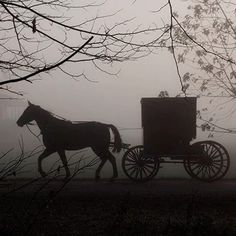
[60,135]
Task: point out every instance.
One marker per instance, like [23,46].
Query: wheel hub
[206,161]
[141,163]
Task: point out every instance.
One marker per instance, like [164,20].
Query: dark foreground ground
[85,207]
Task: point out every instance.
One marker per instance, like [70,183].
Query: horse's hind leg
[45,153]
[105,155]
[100,153]
[112,159]
[64,162]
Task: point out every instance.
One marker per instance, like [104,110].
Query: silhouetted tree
[208,34]
[203,45]
[39,36]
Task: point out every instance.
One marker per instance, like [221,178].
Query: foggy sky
[116,99]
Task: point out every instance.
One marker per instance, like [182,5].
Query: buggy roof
[169,106]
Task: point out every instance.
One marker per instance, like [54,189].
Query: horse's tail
[117,138]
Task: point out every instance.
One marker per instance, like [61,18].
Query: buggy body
[169,127]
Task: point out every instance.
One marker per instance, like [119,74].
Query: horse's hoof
[43,174]
[97,178]
[112,179]
[68,174]
[114,176]
[67,177]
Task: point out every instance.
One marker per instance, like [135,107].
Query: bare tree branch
[45,69]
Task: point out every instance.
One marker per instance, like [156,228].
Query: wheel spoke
[212,154]
[203,171]
[133,171]
[136,173]
[129,164]
[197,166]
[219,155]
[215,168]
[141,173]
[131,167]
[210,150]
[220,160]
[209,172]
[146,169]
[133,156]
[216,164]
[199,171]
[207,147]
[212,169]
[149,165]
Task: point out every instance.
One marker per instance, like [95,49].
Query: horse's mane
[49,114]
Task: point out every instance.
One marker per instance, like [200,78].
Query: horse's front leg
[64,162]
[97,175]
[45,153]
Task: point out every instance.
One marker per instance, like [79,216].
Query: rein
[37,136]
[62,118]
[55,115]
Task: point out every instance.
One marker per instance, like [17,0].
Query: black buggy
[169,125]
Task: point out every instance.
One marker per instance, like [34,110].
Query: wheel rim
[212,164]
[138,166]
[225,161]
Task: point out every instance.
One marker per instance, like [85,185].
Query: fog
[113,99]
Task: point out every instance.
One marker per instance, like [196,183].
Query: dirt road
[84,207]
[158,187]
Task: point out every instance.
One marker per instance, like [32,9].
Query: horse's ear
[29,103]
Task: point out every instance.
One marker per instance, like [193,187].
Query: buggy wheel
[138,166]
[225,161]
[210,163]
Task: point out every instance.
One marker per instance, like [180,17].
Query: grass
[127,214]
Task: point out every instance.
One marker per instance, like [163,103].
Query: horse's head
[28,115]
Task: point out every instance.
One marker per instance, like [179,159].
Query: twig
[45,69]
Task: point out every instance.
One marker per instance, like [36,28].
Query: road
[86,207]
[157,187]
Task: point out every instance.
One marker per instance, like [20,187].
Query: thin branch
[202,47]
[45,69]
[173,48]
